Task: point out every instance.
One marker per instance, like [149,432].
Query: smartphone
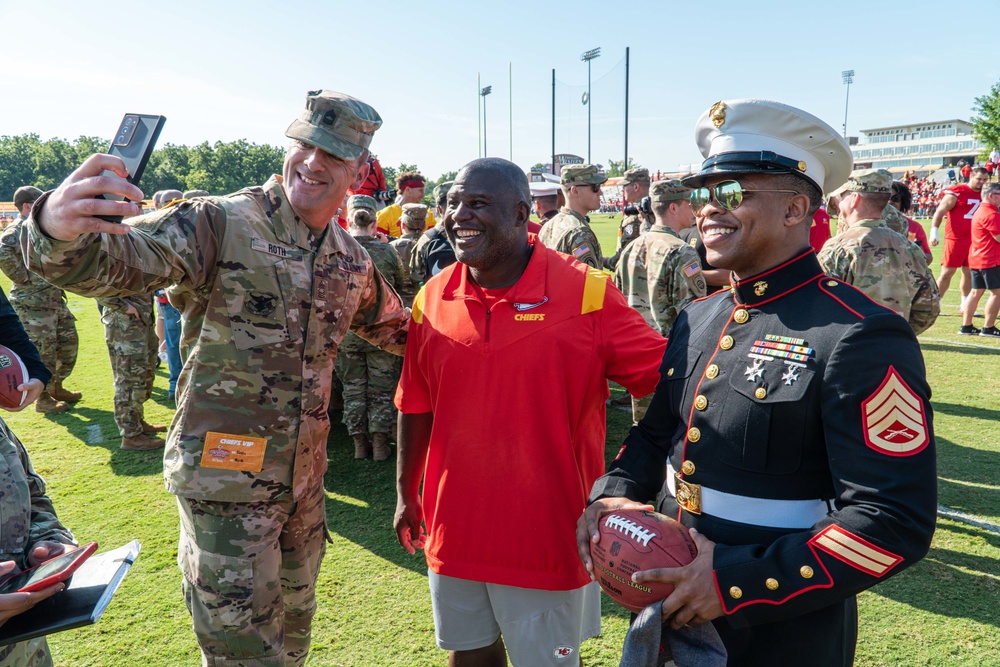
[49,573]
[133,143]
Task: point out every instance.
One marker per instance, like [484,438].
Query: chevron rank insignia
[855,551]
[895,423]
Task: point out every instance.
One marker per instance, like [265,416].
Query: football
[635,540]
[12,374]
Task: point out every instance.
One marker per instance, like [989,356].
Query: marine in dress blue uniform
[792,423]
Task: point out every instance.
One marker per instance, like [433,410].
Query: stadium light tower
[848,75]
[484,92]
[587,57]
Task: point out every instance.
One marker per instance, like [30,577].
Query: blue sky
[228,70]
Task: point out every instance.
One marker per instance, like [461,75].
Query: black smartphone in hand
[133,143]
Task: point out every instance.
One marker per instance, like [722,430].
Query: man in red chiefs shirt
[959,203]
[984,260]
[506,467]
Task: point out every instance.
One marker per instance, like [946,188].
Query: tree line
[219,168]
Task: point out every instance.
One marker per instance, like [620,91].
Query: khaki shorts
[539,627]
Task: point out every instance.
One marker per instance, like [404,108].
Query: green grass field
[374,607]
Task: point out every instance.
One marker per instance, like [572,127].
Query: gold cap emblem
[718,113]
[802,165]
[760,287]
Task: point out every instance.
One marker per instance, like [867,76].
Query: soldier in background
[884,265]
[412,221]
[411,187]
[131,338]
[569,232]
[547,197]
[637,217]
[42,309]
[432,252]
[658,273]
[369,375]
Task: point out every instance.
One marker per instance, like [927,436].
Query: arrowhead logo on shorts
[894,420]
[563,652]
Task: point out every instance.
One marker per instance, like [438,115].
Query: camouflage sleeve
[926,304]
[45,525]
[582,245]
[836,262]
[173,246]
[677,282]
[418,266]
[407,288]
[11,260]
[381,319]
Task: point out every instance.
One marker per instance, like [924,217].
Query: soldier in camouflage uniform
[637,218]
[132,345]
[370,375]
[30,534]
[412,223]
[569,232]
[268,288]
[659,274]
[43,311]
[432,252]
[886,266]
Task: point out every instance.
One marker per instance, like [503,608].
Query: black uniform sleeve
[13,336]
[876,419]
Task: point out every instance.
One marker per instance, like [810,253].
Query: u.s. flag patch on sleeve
[692,269]
[581,251]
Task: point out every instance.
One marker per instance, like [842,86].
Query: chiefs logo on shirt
[894,419]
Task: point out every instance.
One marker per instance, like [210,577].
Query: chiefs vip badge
[894,420]
[233,452]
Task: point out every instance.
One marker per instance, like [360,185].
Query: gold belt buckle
[688,494]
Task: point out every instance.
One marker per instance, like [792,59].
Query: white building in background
[923,148]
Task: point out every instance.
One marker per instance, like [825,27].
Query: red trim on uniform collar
[778,281]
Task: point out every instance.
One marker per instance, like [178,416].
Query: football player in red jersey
[960,203]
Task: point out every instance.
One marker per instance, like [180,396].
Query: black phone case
[133,143]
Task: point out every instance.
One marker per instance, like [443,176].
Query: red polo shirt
[517,393]
[985,250]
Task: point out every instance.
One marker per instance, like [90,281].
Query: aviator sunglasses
[728,194]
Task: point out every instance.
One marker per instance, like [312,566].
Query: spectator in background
[901,199]
[819,230]
[375,185]
[370,374]
[411,187]
[984,261]
[171,316]
[966,171]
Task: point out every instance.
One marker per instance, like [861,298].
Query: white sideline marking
[94,435]
[961,344]
[969,519]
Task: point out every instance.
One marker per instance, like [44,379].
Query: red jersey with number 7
[959,227]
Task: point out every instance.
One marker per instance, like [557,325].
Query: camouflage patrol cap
[581,174]
[414,215]
[26,194]
[868,181]
[355,202]
[441,191]
[666,191]
[336,123]
[637,175]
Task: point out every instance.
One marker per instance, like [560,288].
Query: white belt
[756,511]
